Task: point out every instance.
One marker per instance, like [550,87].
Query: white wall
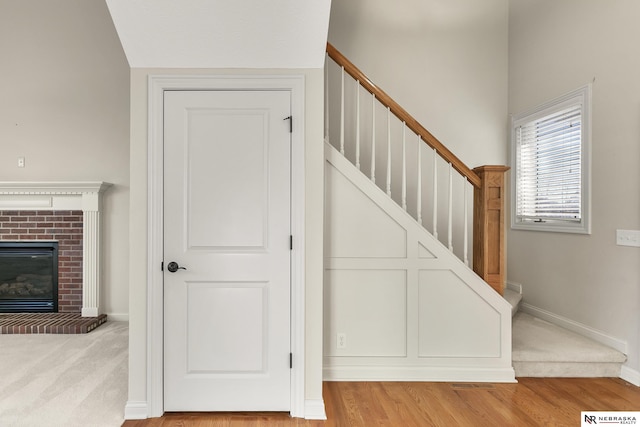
[555,47]
[444,62]
[64,106]
[138,237]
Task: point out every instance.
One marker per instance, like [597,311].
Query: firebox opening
[28,277]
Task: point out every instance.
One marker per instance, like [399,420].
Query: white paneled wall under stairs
[399,305]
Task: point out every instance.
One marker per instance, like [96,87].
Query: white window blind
[551,167]
[549,172]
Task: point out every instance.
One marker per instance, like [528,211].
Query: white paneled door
[227,232]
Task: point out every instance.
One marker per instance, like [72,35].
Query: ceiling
[222,33]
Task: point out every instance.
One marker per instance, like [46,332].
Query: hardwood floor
[530,402]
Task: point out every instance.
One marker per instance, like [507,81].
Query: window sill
[552,226]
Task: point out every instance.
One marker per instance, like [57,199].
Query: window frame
[581,96]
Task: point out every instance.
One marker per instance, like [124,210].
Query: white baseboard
[118,317]
[435,373]
[135,410]
[314,409]
[515,287]
[576,327]
[89,312]
[630,375]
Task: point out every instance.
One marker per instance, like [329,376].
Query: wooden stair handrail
[489,254]
[403,115]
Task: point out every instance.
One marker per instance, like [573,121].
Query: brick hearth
[49,323]
[65,227]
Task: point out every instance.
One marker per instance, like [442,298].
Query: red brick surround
[65,227]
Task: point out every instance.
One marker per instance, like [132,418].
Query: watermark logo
[593,418]
[590,419]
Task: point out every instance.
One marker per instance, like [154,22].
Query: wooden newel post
[489,252]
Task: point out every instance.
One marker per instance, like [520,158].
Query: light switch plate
[628,238]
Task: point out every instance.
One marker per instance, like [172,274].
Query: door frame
[157,85]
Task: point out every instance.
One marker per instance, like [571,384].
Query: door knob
[173,267]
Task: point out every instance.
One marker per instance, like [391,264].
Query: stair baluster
[450,210]
[435,194]
[358,124]
[419,185]
[466,222]
[342,113]
[404,166]
[388,152]
[326,106]
[373,138]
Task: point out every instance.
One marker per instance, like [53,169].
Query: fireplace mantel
[68,195]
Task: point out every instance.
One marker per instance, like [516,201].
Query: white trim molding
[419,373]
[118,317]
[83,195]
[630,375]
[57,188]
[515,287]
[580,98]
[135,410]
[314,409]
[157,85]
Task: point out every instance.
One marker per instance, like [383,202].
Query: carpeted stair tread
[514,299]
[536,340]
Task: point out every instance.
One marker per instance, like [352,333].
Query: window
[551,165]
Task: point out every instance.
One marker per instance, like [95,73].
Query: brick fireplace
[64,227]
[68,213]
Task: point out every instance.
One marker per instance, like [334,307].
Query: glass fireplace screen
[28,277]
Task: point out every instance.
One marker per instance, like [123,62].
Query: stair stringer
[406,307]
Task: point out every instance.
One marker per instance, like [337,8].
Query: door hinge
[290,243]
[290,118]
[162,266]
[290,360]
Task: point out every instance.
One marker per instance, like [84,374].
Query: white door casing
[227,219]
[158,85]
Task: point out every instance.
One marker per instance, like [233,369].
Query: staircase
[401,299]
[404,221]
[542,349]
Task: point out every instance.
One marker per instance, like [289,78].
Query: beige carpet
[64,380]
[541,349]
